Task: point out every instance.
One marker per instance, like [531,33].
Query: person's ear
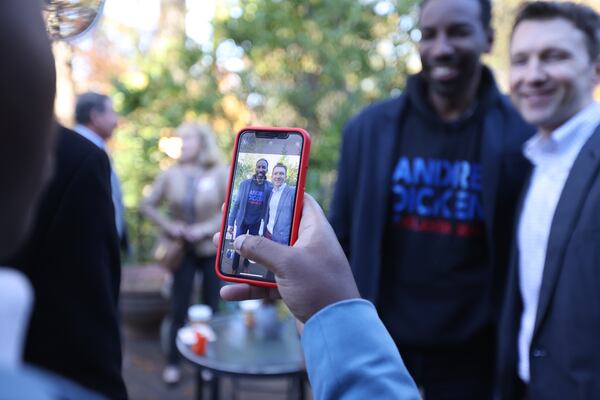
[94,115]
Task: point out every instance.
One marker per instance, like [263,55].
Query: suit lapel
[513,292]
[567,212]
[282,201]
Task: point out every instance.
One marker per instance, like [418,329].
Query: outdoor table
[239,351]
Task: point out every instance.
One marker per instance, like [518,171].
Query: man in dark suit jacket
[550,332]
[72,261]
[424,202]
[96,120]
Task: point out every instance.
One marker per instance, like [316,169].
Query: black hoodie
[436,273]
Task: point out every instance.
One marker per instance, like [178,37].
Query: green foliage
[243,171]
[169,86]
[315,63]
[307,63]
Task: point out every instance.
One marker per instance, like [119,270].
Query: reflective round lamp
[70,19]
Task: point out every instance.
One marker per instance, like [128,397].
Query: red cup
[200,346]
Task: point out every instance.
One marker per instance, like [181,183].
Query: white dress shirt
[273,204]
[115,184]
[90,135]
[552,158]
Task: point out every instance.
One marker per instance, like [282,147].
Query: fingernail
[239,241]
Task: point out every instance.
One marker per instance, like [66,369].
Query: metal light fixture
[69,19]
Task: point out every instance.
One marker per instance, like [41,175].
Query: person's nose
[534,72]
[442,47]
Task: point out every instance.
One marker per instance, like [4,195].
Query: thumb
[262,250]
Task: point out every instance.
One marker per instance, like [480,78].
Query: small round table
[242,352]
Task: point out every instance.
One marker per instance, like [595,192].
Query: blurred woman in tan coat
[193,191]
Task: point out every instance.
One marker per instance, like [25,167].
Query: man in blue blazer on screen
[280,209]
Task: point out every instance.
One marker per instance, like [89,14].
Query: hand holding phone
[265,192]
[312,274]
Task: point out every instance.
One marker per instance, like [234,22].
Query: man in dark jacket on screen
[249,208]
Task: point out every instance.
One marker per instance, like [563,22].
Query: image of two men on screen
[262,204]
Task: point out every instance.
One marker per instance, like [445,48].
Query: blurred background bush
[232,63]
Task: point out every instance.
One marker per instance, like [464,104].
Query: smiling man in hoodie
[424,202]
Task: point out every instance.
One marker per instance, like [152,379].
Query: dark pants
[252,229]
[462,372]
[183,281]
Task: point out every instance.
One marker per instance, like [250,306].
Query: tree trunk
[64,103]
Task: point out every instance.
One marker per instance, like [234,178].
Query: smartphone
[264,197]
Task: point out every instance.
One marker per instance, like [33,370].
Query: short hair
[280,165]
[88,102]
[584,18]
[262,159]
[209,155]
[485,9]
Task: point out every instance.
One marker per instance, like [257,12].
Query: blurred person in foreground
[96,121]
[27,137]
[193,190]
[424,203]
[348,352]
[549,337]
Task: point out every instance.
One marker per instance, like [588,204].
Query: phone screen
[262,196]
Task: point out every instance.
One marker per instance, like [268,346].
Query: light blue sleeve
[33,383]
[350,355]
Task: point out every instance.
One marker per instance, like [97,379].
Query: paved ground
[142,367]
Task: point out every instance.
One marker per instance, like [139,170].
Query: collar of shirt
[90,135]
[560,149]
[276,190]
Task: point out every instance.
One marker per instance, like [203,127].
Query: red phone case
[297,205]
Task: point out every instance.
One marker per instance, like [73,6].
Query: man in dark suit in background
[96,120]
[424,202]
[72,260]
[549,338]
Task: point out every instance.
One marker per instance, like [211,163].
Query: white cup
[199,313]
